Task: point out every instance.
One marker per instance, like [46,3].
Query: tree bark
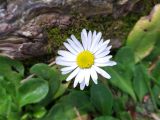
[22,22]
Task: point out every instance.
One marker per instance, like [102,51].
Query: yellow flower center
[85,59]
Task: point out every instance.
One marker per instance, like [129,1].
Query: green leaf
[8,102]
[51,75]
[120,103]
[144,34]
[125,116]
[102,99]
[5,104]
[61,112]
[125,56]
[156,91]
[32,91]
[3,117]
[122,73]
[140,81]
[42,70]
[105,118]
[8,65]
[68,106]
[118,80]
[78,99]
[61,90]
[156,70]
[155,52]
[39,112]
[125,62]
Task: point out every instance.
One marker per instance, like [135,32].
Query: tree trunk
[22,22]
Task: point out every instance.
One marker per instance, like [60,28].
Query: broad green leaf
[140,81]
[5,104]
[156,91]
[63,86]
[78,99]
[119,103]
[42,70]
[122,73]
[125,116]
[144,34]
[61,111]
[5,99]
[25,116]
[125,56]
[156,70]
[61,90]
[8,65]
[102,99]
[119,80]
[8,100]
[155,52]
[39,112]
[32,91]
[125,62]
[68,106]
[9,86]
[2,117]
[51,75]
[105,118]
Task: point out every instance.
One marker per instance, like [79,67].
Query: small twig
[52,63]
[31,76]
[154,116]
[26,79]
[77,113]
[153,65]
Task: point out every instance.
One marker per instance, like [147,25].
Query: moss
[110,27]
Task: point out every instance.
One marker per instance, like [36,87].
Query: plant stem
[32,75]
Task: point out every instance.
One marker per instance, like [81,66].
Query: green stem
[155,81]
[152,96]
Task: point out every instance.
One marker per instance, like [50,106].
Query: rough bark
[22,22]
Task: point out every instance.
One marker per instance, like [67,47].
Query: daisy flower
[83,60]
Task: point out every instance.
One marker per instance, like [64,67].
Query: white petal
[68,68]
[66,72]
[59,58]
[87,76]
[77,42]
[95,41]
[103,49]
[80,75]
[82,85]
[89,40]
[103,54]
[102,72]
[79,78]
[70,48]
[100,46]
[109,63]
[65,63]
[94,35]
[73,74]
[100,42]
[66,54]
[84,38]
[74,46]
[76,81]
[103,59]
[94,75]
